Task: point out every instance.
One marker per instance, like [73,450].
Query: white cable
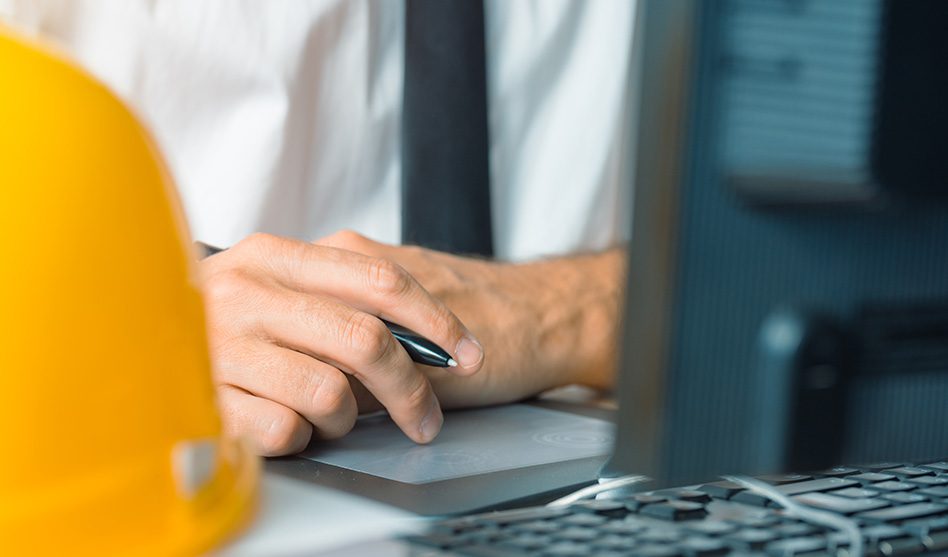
[604,485]
[804,513]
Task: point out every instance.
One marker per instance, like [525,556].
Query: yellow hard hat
[110,431]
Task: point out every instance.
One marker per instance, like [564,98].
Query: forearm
[579,301]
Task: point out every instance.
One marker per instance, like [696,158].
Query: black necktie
[445,172]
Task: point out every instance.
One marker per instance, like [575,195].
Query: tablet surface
[472,442]
[481,459]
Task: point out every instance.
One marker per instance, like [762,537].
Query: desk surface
[300,518]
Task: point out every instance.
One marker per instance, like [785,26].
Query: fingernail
[432,422]
[469,352]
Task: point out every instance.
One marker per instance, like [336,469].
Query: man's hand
[289,322]
[543,324]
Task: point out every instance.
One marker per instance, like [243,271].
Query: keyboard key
[752,498]
[566,549]
[940,491]
[614,541]
[842,505]
[891,540]
[893,486]
[491,551]
[905,512]
[675,510]
[936,542]
[582,519]
[822,484]
[527,542]
[795,530]
[756,521]
[650,550]
[881,532]
[938,466]
[487,535]
[523,515]
[880,466]
[905,545]
[926,526]
[721,490]
[780,479]
[928,481]
[537,527]
[703,547]
[605,507]
[908,471]
[796,546]
[750,538]
[855,492]
[836,540]
[839,471]
[636,502]
[711,527]
[685,495]
[577,534]
[623,527]
[655,535]
[901,546]
[871,477]
[902,498]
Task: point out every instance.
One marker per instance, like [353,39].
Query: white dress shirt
[284,116]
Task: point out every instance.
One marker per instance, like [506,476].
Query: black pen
[419,348]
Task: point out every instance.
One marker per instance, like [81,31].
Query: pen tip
[452,362]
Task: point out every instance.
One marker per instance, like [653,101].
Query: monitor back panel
[758,196]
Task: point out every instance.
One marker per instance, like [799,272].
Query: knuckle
[228,353]
[227,284]
[417,398]
[444,319]
[388,278]
[283,435]
[258,239]
[262,244]
[329,394]
[349,237]
[368,337]
[341,425]
[340,431]
[311,311]
[230,411]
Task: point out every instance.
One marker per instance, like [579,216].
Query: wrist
[579,304]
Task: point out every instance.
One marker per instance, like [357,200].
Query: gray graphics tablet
[483,458]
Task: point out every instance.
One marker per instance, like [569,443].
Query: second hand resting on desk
[419,348]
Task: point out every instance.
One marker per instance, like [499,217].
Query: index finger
[373,285]
[360,345]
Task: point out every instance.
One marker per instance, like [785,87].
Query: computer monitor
[787,303]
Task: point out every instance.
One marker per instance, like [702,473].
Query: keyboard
[900,509]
